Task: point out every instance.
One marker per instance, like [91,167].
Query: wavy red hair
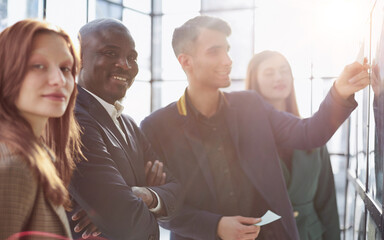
[61,137]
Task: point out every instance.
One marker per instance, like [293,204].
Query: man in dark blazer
[222,146]
[120,184]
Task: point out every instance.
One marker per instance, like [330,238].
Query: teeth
[120,78]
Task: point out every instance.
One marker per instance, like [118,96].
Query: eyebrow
[36,56]
[116,48]
[110,46]
[218,47]
[268,69]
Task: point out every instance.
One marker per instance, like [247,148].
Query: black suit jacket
[255,129]
[102,184]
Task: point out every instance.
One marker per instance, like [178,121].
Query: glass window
[303,94]
[180,6]
[106,9]
[140,27]
[353,126]
[16,10]
[361,141]
[377,109]
[172,91]
[115,1]
[373,231]
[208,5]
[350,211]
[359,221]
[3,14]
[140,5]
[338,167]
[137,101]
[57,13]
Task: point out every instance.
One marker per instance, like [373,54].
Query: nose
[279,76]
[227,60]
[123,63]
[56,77]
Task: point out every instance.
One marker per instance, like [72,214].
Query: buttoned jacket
[311,189]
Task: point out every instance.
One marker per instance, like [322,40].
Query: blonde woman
[308,174]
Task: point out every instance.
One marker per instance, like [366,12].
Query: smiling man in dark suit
[121,185]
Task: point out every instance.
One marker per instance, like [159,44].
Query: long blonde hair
[61,137]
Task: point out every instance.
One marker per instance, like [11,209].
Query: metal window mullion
[155,64]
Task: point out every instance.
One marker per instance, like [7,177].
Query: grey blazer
[23,206]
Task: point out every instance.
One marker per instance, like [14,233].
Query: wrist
[339,93]
[154,201]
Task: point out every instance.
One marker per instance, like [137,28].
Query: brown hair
[61,135]
[185,35]
[251,81]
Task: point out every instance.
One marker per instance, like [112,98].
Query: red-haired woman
[308,174]
[39,138]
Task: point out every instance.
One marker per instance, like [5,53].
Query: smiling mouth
[280,87]
[122,79]
[224,72]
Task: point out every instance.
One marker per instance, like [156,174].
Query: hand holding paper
[268,217]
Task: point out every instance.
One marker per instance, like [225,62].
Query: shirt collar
[196,113]
[114,110]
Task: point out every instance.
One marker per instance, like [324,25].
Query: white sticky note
[268,217]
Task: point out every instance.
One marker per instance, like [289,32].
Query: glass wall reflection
[377,83]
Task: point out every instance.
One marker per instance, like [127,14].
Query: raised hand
[353,78]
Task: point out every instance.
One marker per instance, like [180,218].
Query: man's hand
[353,78]
[238,228]
[85,225]
[154,173]
[146,195]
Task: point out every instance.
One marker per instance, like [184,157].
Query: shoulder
[242,95]
[10,159]
[15,174]
[170,109]
[165,114]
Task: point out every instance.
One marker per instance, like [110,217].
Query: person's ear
[184,60]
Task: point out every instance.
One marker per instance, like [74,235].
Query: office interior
[318,38]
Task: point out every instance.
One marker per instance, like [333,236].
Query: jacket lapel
[247,167]
[60,212]
[97,111]
[137,166]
